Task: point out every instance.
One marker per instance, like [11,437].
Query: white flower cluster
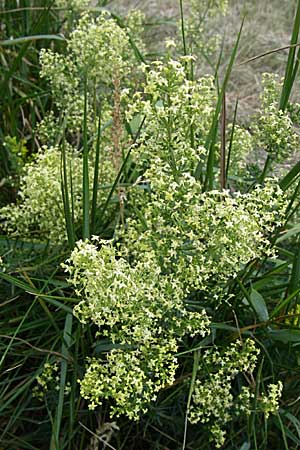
[203,39]
[273,128]
[48,379]
[98,51]
[178,240]
[269,402]
[172,105]
[138,308]
[202,238]
[213,402]
[241,147]
[100,46]
[131,378]
[39,213]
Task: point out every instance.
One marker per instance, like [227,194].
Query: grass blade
[231,138]
[191,390]
[212,135]
[259,305]
[182,28]
[85,178]
[96,176]
[66,199]
[37,37]
[223,145]
[290,72]
[67,337]
[290,177]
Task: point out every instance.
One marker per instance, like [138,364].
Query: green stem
[85,178]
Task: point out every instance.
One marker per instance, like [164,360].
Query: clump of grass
[179,309]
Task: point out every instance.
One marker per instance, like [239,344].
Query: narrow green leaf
[285,336]
[254,413]
[182,28]
[37,37]
[223,179]
[290,177]
[293,420]
[231,138]
[212,135]
[85,178]
[66,199]
[18,60]
[16,332]
[288,233]
[284,431]
[245,446]
[290,74]
[295,275]
[285,302]
[139,56]
[191,390]
[258,304]
[96,176]
[54,300]
[67,338]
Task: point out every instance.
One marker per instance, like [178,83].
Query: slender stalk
[231,138]
[212,135]
[85,178]
[96,176]
[265,169]
[122,168]
[223,145]
[68,213]
[66,342]
[192,385]
[182,28]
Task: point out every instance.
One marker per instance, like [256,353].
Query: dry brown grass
[267,26]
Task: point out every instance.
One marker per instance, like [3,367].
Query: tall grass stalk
[212,135]
[96,175]
[292,64]
[85,178]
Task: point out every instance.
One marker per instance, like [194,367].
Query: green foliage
[213,400]
[202,41]
[39,213]
[193,241]
[274,131]
[134,285]
[138,308]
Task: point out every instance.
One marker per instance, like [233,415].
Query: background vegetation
[44,347]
